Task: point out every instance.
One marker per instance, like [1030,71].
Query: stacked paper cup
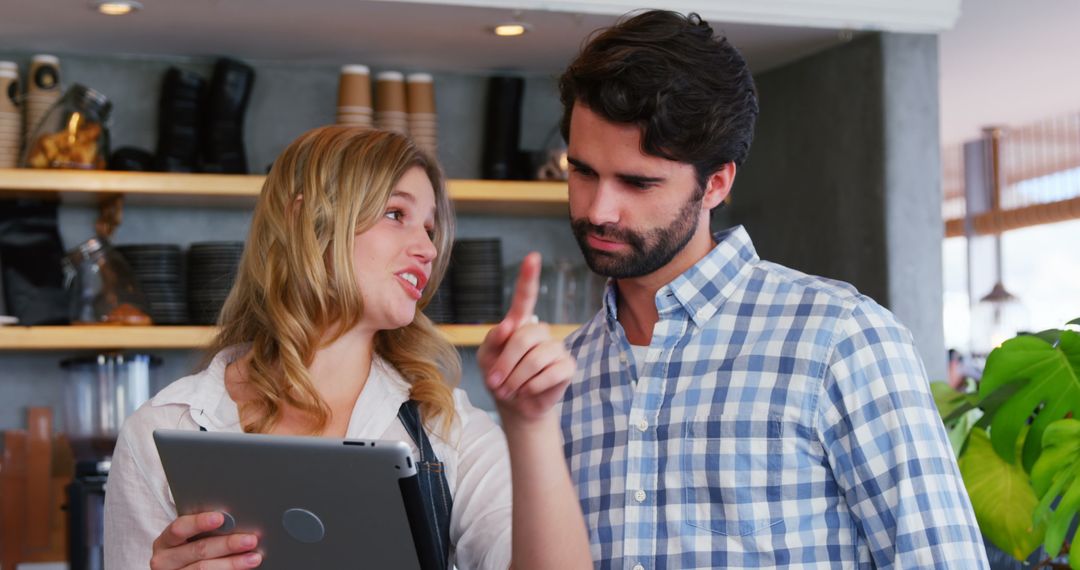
[10,116]
[354,96]
[421,105]
[390,107]
[43,89]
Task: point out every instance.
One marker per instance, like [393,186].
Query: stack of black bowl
[441,308]
[158,271]
[211,272]
[477,280]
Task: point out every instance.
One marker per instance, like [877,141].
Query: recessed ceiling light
[509,29]
[116,7]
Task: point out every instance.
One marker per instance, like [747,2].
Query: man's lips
[603,244]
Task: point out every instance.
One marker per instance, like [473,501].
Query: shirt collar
[701,289]
[205,395]
[211,406]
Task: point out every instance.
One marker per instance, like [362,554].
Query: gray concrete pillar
[843,178]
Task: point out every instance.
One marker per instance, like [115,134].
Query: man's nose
[604,206]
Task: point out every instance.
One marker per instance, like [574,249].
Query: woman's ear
[295,204]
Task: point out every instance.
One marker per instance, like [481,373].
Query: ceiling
[1002,62]
[1008,63]
[437,35]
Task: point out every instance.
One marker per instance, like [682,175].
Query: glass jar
[544,309]
[101,392]
[102,288]
[74,133]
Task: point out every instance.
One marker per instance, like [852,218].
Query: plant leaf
[1074,322]
[949,401]
[1055,475]
[990,403]
[1061,449]
[959,412]
[1051,336]
[1002,497]
[958,434]
[1053,380]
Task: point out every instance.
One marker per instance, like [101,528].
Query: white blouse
[139,505]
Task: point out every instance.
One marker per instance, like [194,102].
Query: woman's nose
[423,247]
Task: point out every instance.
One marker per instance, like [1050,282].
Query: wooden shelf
[473,335]
[514,197]
[170,337]
[85,187]
[199,190]
[103,337]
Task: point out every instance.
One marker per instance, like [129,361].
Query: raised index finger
[526,290]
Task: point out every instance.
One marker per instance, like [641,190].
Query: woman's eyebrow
[403,194]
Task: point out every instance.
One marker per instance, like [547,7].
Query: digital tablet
[315,502]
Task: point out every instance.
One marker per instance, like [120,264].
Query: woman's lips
[412,291]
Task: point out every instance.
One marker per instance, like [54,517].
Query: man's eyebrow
[638,179]
[627,178]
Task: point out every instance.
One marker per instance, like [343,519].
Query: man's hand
[525,369]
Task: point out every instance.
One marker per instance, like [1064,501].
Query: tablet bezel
[365,492]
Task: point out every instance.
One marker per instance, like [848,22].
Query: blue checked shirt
[778,420]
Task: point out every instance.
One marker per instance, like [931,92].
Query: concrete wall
[287,100]
[914,226]
[843,179]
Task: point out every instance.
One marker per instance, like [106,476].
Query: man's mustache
[582,227]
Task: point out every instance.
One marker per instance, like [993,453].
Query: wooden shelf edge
[104,337]
[472,335]
[469,196]
[175,337]
[507,191]
[154,183]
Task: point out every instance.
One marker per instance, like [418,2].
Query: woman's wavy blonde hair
[296,286]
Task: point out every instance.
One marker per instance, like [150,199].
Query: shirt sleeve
[480,522]
[889,451]
[138,505]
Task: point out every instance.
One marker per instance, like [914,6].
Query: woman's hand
[528,371]
[173,551]
[525,368]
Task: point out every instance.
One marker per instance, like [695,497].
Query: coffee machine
[102,391]
[86,516]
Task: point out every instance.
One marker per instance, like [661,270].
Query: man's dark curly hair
[691,94]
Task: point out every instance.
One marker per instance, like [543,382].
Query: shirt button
[638,567]
[622,357]
[639,495]
[642,425]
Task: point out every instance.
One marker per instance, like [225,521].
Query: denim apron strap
[432,477]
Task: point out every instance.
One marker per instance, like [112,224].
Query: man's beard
[649,251]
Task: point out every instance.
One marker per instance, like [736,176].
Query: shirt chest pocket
[733,472]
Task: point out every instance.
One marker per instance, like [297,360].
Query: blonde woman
[322,334]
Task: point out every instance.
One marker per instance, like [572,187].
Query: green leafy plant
[1003,497]
[1053,476]
[1018,445]
[1048,372]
